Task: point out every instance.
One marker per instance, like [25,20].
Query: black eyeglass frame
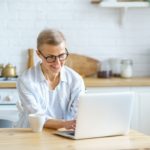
[53,57]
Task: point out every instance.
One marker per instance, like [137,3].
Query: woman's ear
[38,53]
[39,56]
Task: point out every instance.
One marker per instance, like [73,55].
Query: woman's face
[50,63]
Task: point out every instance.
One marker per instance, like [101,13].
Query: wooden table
[24,139]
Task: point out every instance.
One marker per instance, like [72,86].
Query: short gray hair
[50,36]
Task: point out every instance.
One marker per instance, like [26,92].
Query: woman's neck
[52,79]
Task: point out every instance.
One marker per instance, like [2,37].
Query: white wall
[89,30]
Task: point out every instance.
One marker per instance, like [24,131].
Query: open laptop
[102,114]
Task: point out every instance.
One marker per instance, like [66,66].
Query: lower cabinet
[8,109]
[143,109]
[9,112]
[140,117]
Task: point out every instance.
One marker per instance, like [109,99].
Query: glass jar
[115,64]
[105,71]
[126,68]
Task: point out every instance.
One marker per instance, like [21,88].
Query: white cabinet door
[9,112]
[143,95]
[8,96]
[8,109]
[135,113]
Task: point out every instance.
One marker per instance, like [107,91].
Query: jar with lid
[126,68]
[115,64]
[105,71]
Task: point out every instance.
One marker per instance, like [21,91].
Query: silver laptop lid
[104,114]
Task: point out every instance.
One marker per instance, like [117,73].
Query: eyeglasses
[52,58]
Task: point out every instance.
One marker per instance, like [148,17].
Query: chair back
[6,123]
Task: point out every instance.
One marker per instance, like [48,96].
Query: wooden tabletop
[25,139]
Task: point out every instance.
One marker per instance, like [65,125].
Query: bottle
[126,68]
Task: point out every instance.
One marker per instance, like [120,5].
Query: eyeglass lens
[52,58]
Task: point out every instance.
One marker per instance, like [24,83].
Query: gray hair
[50,36]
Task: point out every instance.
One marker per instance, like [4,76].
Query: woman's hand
[71,124]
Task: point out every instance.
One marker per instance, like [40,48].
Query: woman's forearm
[56,124]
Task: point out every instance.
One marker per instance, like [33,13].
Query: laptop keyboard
[70,132]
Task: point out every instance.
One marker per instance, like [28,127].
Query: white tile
[89,30]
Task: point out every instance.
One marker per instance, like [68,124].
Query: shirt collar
[41,77]
[63,74]
[39,74]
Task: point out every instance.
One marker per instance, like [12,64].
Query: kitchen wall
[89,30]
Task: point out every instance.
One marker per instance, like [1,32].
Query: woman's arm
[56,124]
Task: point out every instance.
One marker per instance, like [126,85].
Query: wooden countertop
[25,139]
[100,82]
[116,82]
[7,84]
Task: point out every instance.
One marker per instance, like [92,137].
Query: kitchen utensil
[9,71]
[84,65]
[30,58]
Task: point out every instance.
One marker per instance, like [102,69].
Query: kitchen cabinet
[8,99]
[8,96]
[9,112]
[143,98]
[140,117]
[139,85]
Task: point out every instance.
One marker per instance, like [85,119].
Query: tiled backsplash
[89,30]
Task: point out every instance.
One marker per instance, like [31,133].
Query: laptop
[101,115]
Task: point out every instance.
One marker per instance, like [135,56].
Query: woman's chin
[55,71]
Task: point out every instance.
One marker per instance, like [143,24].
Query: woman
[50,87]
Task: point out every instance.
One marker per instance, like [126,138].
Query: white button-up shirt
[36,96]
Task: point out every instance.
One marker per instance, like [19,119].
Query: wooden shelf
[124,4]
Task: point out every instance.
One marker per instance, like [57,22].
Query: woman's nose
[57,60]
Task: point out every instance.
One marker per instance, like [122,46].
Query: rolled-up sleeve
[77,89]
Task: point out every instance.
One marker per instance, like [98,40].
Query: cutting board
[84,65]
[30,58]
